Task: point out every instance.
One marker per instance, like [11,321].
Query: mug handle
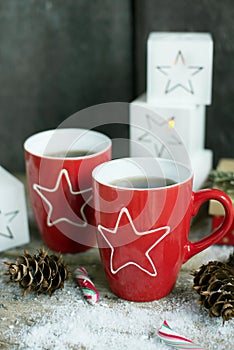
[193,248]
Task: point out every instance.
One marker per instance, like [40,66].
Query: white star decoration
[104,231]
[153,127]
[178,70]
[5,220]
[39,189]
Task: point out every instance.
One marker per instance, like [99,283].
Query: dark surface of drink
[143,182]
[70,154]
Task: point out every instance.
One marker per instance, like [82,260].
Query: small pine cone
[214,282]
[40,273]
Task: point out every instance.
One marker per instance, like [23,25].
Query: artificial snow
[66,321]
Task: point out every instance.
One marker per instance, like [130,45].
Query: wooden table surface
[38,322]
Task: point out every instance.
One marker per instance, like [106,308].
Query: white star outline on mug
[50,223]
[115,229]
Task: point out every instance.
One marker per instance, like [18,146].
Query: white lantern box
[179,68]
[201,164]
[188,121]
[13,214]
[170,132]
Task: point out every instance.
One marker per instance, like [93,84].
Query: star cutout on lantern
[5,221]
[115,239]
[179,70]
[49,195]
[155,127]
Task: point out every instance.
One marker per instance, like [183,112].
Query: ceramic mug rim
[101,169]
[29,144]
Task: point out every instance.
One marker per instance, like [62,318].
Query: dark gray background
[60,56]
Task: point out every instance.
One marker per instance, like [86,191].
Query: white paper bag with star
[179,68]
[13,214]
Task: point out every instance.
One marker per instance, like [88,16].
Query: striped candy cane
[86,285]
[175,340]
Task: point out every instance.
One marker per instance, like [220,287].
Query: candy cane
[175,340]
[86,285]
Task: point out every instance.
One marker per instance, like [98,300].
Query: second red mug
[143,210]
[59,165]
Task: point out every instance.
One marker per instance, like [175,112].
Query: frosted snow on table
[65,321]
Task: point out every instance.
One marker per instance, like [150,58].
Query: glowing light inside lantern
[171,123]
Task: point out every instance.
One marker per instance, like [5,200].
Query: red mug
[59,166]
[143,209]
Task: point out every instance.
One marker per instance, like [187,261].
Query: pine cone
[214,282]
[41,273]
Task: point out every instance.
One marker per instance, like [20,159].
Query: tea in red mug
[143,209]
